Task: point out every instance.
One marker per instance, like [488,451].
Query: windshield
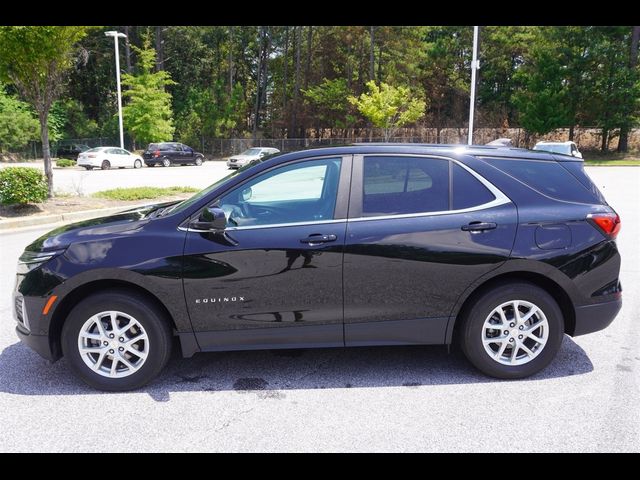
[555,148]
[251,151]
[97,149]
[179,207]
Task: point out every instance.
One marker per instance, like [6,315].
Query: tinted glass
[549,178]
[252,151]
[294,193]
[401,185]
[468,191]
[554,148]
[577,170]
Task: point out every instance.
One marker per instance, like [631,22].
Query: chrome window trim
[500,197]
[272,225]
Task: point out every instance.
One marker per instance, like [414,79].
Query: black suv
[502,251]
[71,151]
[169,153]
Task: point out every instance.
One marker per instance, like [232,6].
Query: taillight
[156,153]
[609,223]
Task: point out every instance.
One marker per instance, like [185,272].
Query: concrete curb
[11,223]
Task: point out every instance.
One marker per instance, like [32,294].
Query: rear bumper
[39,343]
[592,318]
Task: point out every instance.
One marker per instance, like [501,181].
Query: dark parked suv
[71,151]
[502,251]
[169,153]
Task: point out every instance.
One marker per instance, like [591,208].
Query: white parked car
[245,157]
[565,148]
[107,157]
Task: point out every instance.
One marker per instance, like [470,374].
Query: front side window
[402,185]
[301,192]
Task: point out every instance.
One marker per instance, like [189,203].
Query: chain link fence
[586,138]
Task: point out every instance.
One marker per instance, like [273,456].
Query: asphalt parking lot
[361,399]
[76,180]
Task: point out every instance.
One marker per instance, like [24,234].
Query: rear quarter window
[547,177]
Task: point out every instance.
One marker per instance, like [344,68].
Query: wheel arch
[72,298]
[555,289]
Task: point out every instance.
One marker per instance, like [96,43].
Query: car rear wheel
[137,164]
[166,162]
[116,340]
[106,165]
[198,161]
[512,331]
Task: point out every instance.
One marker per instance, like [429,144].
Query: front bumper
[592,318]
[38,343]
[236,164]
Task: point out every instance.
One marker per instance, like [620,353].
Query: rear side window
[467,190]
[548,178]
[401,185]
[577,170]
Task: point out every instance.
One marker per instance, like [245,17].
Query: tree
[35,59]
[389,107]
[330,101]
[623,142]
[18,124]
[148,115]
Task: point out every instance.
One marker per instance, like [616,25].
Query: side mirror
[212,219]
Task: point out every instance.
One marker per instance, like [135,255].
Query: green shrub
[22,185]
[65,162]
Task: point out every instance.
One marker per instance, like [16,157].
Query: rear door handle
[318,238]
[479,226]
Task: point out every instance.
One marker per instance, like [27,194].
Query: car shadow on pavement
[23,372]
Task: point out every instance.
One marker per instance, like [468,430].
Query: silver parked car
[247,156]
[565,148]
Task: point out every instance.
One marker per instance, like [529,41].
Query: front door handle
[479,226]
[318,238]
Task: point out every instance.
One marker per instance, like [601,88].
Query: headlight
[30,260]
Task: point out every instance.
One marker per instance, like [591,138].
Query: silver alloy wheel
[137,164]
[113,344]
[166,162]
[198,161]
[515,332]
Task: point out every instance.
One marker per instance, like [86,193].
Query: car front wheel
[166,162]
[512,331]
[198,161]
[116,340]
[137,164]
[106,165]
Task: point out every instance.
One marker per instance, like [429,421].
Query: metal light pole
[475,65]
[115,36]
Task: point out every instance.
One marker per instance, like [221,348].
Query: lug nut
[520,337]
[105,343]
[121,349]
[111,351]
[121,339]
[111,335]
[512,325]
[511,339]
[506,332]
[521,327]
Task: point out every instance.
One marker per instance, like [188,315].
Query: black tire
[137,164]
[198,161]
[145,312]
[166,162]
[106,165]
[472,321]
[88,168]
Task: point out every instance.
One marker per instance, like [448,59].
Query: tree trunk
[46,152]
[571,132]
[230,61]
[159,50]
[127,50]
[285,70]
[372,56]
[605,140]
[258,85]
[623,141]
[307,68]
[296,88]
